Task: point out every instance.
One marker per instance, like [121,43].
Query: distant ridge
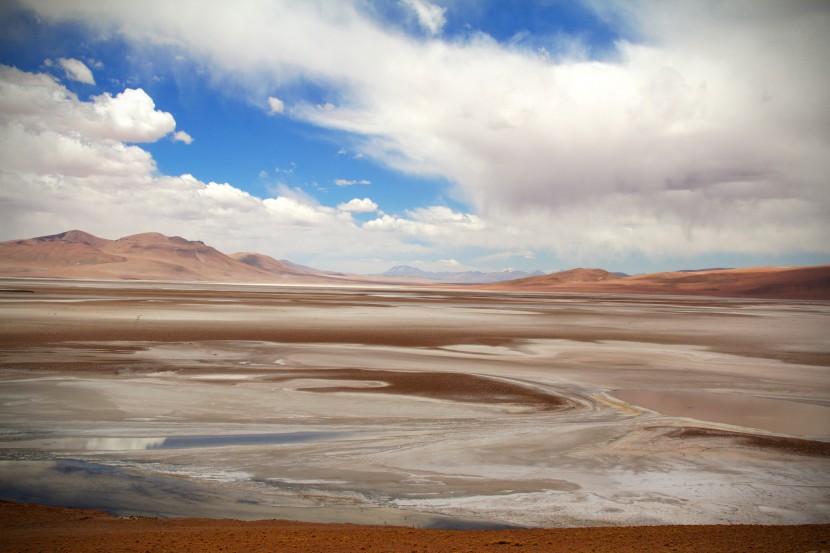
[460,277]
[149,255]
[269,264]
[754,282]
[570,276]
[154,256]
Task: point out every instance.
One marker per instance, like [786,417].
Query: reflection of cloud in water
[76,483]
[182,442]
[122,444]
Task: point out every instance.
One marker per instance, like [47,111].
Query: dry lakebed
[430,408]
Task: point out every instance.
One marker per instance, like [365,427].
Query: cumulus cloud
[708,135]
[433,223]
[181,136]
[131,116]
[276,105]
[39,103]
[76,70]
[358,205]
[347,182]
[430,16]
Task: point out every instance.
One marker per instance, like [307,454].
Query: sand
[404,407]
[37,528]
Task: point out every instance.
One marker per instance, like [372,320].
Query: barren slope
[153,256]
[755,282]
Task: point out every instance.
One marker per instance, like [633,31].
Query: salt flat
[414,406]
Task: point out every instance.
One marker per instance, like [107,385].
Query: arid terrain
[39,528]
[77,254]
[750,282]
[413,407]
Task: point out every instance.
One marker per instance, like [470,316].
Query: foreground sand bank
[38,528]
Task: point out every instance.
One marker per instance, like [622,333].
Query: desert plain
[426,408]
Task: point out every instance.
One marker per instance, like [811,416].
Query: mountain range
[752,282]
[154,256]
[147,256]
[460,277]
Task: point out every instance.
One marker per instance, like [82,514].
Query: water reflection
[184,442]
[121,444]
[89,485]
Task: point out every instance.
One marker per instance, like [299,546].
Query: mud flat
[426,408]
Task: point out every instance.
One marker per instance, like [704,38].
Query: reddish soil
[784,444]
[37,528]
[754,282]
[449,386]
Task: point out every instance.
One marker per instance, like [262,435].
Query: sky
[355,135]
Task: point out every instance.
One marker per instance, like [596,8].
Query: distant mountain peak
[75,237]
[584,275]
[457,277]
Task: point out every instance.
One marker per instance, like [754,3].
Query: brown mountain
[151,256]
[285,271]
[567,277]
[154,256]
[753,282]
[271,265]
[68,249]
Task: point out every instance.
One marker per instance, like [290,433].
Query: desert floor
[423,408]
[55,529]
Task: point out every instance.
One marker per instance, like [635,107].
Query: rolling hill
[146,256]
[753,282]
[154,256]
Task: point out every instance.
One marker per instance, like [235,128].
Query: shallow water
[122,491]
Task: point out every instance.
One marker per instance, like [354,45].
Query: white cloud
[181,136]
[709,136]
[294,211]
[76,70]
[357,205]
[347,182]
[430,16]
[276,105]
[505,255]
[131,116]
[38,102]
[46,129]
[437,223]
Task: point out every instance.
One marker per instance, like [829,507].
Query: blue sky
[635,136]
